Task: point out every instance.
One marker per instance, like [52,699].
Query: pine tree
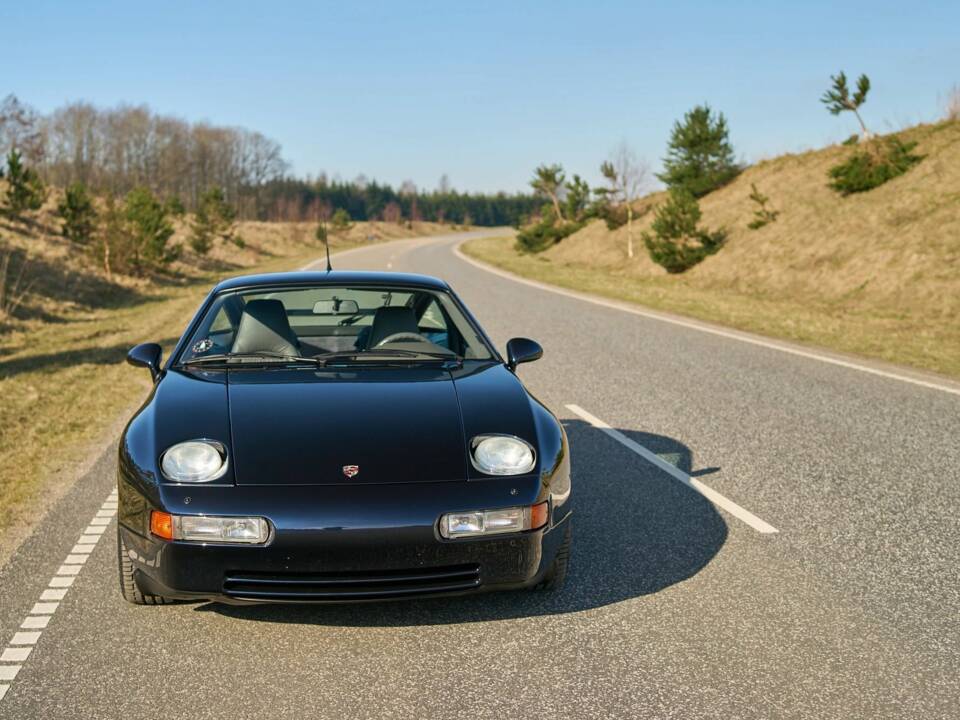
[699,155]
[677,243]
[149,230]
[838,99]
[577,199]
[548,181]
[213,219]
[79,215]
[25,189]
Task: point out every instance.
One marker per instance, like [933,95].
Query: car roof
[335,278]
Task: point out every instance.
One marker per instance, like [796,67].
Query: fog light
[210,529]
[493,522]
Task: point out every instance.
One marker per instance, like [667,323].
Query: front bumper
[337,544]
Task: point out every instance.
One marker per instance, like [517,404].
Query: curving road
[759,533]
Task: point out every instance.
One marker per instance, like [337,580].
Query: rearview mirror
[521,350]
[146,355]
[336,307]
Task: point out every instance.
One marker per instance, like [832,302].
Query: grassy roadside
[901,337]
[64,385]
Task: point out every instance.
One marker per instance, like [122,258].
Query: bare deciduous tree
[392,213]
[20,129]
[626,175]
[12,289]
[951,107]
[118,149]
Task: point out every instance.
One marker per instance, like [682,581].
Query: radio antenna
[322,233]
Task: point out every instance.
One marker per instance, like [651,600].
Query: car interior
[317,321]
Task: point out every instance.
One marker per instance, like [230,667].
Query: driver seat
[390,320]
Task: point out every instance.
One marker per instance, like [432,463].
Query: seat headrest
[390,320]
[264,327]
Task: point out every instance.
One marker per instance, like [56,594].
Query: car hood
[350,427]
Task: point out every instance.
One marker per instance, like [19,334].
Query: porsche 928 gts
[339,437]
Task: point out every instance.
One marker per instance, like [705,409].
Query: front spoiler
[194,572]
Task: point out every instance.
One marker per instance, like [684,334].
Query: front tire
[557,574]
[128,583]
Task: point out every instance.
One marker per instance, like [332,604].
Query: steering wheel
[396,337]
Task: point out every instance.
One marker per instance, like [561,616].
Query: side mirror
[146,355]
[521,350]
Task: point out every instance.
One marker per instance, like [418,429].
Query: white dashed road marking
[710,494]
[31,629]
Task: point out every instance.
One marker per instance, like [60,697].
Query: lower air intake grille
[342,586]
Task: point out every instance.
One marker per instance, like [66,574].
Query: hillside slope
[876,273]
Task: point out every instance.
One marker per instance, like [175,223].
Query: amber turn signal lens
[161,524]
[538,515]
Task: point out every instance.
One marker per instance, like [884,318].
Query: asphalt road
[673,608]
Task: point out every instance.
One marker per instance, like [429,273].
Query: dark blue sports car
[339,436]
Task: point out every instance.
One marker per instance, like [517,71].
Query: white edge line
[36,621]
[710,494]
[742,337]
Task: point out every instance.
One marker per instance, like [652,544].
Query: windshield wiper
[264,356]
[389,353]
[322,360]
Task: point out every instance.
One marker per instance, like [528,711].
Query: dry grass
[876,273]
[63,379]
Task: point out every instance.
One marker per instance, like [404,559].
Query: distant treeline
[292,199]
[114,150]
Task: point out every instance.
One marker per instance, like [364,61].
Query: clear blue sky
[485,91]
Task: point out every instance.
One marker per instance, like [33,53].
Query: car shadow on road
[637,530]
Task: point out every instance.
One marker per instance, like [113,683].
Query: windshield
[352,323]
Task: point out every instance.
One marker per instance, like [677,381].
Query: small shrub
[615,216]
[175,206]
[341,222]
[79,215]
[677,244]
[762,215]
[544,234]
[878,161]
[852,140]
[200,243]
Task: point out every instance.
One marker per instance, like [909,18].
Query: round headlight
[502,455]
[194,461]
